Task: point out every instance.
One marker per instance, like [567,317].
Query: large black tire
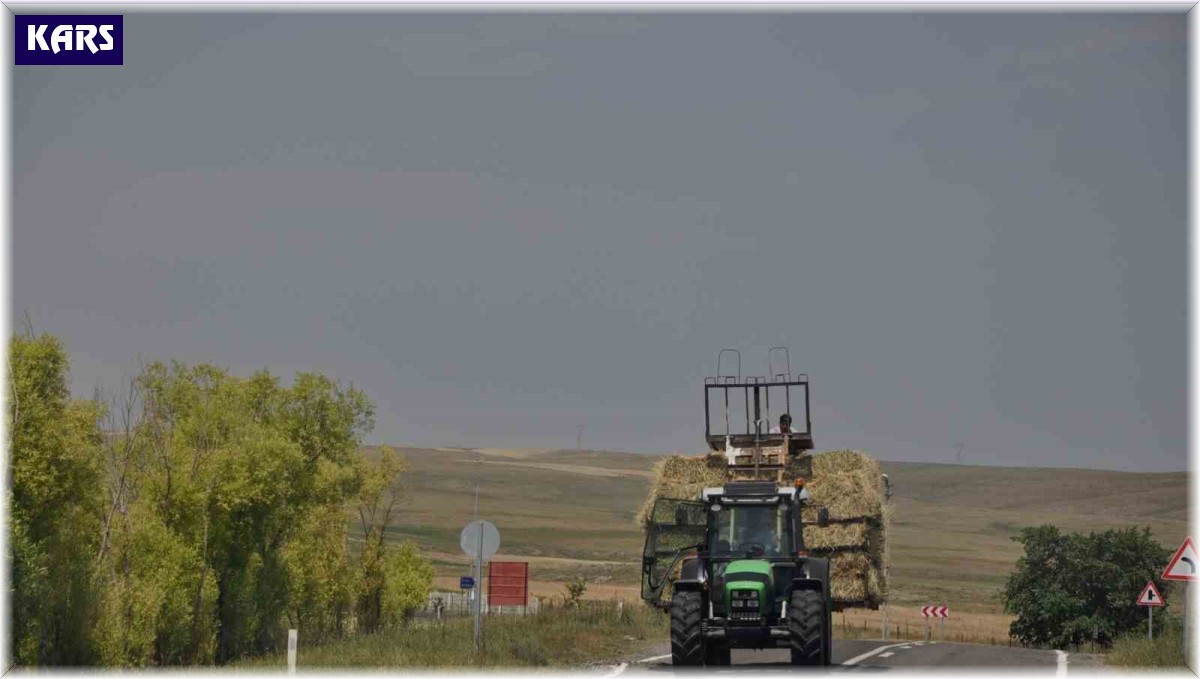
[687,640]
[806,625]
[718,656]
[819,569]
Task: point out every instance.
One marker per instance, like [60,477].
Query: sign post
[939,612]
[1182,567]
[887,562]
[1151,599]
[479,540]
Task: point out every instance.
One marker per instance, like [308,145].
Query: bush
[1066,587]
[573,592]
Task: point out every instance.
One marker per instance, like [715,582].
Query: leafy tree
[407,580]
[1066,585]
[322,576]
[392,584]
[55,506]
[209,515]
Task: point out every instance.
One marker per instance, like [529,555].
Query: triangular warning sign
[1183,565]
[1150,596]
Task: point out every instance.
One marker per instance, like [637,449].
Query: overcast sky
[968,228]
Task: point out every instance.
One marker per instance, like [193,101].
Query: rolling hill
[571,513]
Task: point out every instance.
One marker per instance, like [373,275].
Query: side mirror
[822,516]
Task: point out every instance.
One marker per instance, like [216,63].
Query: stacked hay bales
[846,482]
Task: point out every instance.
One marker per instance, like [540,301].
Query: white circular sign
[479,533]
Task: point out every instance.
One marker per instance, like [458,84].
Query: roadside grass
[558,637]
[1136,650]
[906,622]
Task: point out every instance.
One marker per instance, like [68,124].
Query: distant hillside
[572,512]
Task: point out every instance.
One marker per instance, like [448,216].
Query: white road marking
[857,659]
[616,670]
[1062,665]
[657,657]
[887,655]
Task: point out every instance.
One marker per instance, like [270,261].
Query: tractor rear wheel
[806,625]
[687,639]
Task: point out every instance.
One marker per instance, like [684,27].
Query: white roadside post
[292,643]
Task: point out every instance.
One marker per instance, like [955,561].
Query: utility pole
[958,454]
[579,437]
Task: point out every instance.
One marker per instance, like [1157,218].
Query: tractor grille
[744,605]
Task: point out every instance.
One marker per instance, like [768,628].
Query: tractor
[734,557]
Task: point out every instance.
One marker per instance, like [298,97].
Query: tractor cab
[751,530]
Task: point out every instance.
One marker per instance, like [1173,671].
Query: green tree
[207,515]
[246,485]
[407,581]
[392,584]
[54,507]
[1067,585]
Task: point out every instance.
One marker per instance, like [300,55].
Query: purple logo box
[69,40]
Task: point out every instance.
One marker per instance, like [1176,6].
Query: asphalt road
[866,656]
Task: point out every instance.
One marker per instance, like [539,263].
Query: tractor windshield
[762,530]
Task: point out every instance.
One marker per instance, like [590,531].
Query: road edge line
[857,659]
[1061,671]
[657,657]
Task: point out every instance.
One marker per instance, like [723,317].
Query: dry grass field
[571,514]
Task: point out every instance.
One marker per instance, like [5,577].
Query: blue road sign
[466,582]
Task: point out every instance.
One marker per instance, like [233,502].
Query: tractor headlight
[745,598]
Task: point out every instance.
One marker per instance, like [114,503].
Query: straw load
[846,482]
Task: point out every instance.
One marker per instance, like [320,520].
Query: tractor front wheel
[687,639]
[806,625]
[718,656]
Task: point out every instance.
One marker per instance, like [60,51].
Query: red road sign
[935,611]
[508,583]
[1184,564]
[1150,596]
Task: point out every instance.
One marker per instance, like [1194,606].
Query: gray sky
[966,227]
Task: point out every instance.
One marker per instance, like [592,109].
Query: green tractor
[734,557]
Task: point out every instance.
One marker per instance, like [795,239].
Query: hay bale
[682,478]
[835,535]
[846,482]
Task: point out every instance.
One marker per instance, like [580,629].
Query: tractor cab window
[762,530]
